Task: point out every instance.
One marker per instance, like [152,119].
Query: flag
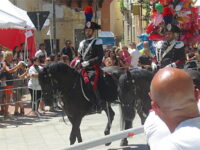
[49,32]
[28,34]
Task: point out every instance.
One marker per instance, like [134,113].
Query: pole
[141,18]
[50,40]
[54,26]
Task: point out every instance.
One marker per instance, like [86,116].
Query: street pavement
[49,132]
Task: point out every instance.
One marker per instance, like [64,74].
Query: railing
[16,89]
[107,139]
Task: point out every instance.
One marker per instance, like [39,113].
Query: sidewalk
[50,132]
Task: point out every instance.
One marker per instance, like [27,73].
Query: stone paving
[50,132]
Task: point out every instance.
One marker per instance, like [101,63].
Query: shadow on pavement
[28,120]
[132,147]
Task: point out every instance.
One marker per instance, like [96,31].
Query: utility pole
[54,26]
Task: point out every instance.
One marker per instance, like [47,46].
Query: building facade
[70,18]
[133,24]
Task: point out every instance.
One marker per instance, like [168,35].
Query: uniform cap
[92,25]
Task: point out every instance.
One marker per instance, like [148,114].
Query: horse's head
[46,85]
[56,79]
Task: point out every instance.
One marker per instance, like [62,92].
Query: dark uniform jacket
[168,53]
[91,50]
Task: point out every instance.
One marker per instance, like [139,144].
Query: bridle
[54,83]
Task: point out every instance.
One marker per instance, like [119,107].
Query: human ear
[155,107]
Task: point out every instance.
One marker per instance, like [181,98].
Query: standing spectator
[8,73]
[17,54]
[53,58]
[176,104]
[47,61]
[22,50]
[19,84]
[2,78]
[135,54]
[33,84]
[146,50]
[106,55]
[68,50]
[125,55]
[41,51]
[58,57]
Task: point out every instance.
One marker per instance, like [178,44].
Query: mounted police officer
[90,57]
[170,53]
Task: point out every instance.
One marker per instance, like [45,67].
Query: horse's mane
[142,74]
[59,67]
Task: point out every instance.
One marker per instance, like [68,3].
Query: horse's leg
[126,124]
[140,112]
[72,137]
[79,138]
[110,114]
[75,132]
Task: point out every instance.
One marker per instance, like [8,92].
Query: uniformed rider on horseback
[90,57]
[170,53]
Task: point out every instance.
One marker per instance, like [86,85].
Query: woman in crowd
[2,84]
[8,74]
[20,85]
[126,55]
[33,84]
[106,55]
[17,54]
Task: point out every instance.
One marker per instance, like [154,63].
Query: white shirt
[185,137]
[40,52]
[135,54]
[155,130]
[33,83]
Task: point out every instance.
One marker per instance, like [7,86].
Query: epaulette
[179,44]
[99,42]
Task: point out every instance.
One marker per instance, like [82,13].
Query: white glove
[85,63]
[154,66]
[173,65]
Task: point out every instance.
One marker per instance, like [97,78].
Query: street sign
[38,18]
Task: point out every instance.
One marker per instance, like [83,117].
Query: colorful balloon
[159,7]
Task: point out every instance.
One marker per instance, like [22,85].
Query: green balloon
[159,7]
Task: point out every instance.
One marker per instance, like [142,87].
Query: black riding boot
[95,99]
[98,101]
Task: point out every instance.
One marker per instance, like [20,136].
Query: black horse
[59,77]
[134,87]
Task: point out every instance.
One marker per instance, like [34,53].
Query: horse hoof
[107,144]
[124,143]
[106,132]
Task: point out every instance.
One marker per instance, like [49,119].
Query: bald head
[172,89]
